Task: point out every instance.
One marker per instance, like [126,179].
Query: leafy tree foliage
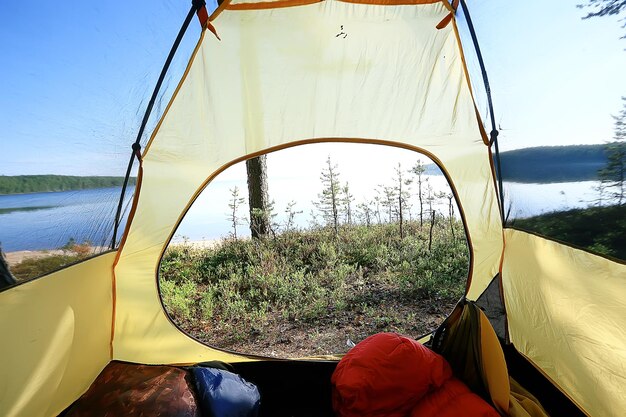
[603,8]
[600,8]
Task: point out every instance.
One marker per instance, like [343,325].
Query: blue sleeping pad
[224,394]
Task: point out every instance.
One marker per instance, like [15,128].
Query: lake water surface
[48,220]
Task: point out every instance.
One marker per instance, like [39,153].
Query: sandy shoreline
[14,258]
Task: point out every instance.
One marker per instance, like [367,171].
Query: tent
[398,77]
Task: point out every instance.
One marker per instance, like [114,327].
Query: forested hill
[544,164]
[548,164]
[21,184]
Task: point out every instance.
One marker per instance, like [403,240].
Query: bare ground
[330,335]
[14,258]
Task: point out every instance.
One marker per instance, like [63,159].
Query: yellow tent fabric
[395,79]
[508,396]
[246,94]
[469,343]
[494,368]
[566,310]
[56,334]
[522,403]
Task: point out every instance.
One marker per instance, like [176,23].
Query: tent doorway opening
[356,239]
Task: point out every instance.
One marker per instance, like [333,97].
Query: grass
[304,292]
[365,280]
[599,229]
[34,267]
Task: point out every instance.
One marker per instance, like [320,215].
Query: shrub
[35,267]
[179,298]
[362,277]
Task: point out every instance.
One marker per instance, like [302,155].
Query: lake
[49,220]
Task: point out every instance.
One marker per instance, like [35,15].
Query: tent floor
[288,389]
[291,388]
[551,398]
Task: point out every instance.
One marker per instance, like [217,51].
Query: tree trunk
[258,196]
[400,217]
[451,215]
[6,278]
[430,232]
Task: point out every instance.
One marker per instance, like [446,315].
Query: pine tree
[612,175]
[235,204]
[605,8]
[431,197]
[329,199]
[450,198]
[346,200]
[258,196]
[291,215]
[377,209]
[418,170]
[402,195]
[387,200]
[365,213]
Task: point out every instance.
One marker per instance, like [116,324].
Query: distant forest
[549,164]
[21,184]
[544,164]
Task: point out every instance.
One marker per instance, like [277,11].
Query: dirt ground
[332,335]
[14,258]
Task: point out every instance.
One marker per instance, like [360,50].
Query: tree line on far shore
[22,184]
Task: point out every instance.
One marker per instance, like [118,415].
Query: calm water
[49,220]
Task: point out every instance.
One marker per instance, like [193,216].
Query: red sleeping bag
[393,376]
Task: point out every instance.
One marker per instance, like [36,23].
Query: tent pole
[136,147]
[493,135]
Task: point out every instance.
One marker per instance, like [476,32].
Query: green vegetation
[264,295]
[14,209]
[21,184]
[35,267]
[358,269]
[599,229]
[45,263]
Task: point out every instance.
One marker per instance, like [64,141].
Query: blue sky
[75,76]
[75,79]
[556,79]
